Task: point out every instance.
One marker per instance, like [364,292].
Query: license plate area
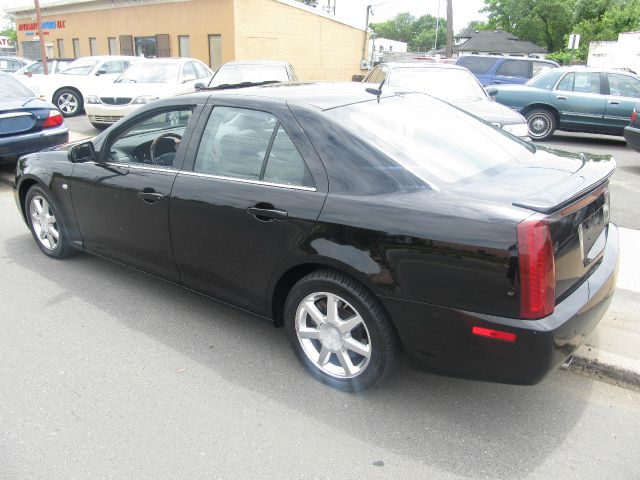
[592,236]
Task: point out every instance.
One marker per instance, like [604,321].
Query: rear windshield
[477,65]
[436,142]
[10,87]
[235,74]
[546,80]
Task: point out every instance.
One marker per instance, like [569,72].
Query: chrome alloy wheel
[333,335]
[44,223]
[67,103]
[539,125]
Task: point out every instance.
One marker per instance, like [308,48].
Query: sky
[355,10]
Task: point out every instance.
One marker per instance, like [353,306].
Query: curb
[608,367]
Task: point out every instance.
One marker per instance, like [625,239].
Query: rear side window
[514,68]
[581,82]
[623,85]
[477,65]
[251,145]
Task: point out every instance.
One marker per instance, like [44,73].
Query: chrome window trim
[15,115]
[248,181]
[136,166]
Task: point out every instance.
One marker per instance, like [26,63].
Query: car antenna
[376,91]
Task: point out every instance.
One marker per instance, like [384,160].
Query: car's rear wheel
[542,123]
[339,331]
[69,102]
[45,224]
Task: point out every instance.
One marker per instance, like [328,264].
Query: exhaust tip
[567,363]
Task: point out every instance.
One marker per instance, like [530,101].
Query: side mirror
[199,86]
[83,152]
[28,74]
[492,91]
[100,72]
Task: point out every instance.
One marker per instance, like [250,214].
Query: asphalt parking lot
[109,373]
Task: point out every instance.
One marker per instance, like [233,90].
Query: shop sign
[50,25]
[5,42]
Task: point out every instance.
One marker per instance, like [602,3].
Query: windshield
[151,72]
[233,74]
[423,135]
[447,83]
[10,87]
[80,67]
[546,80]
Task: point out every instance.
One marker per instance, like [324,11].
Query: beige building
[214,31]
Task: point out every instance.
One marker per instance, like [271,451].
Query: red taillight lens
[633,116]
[495,334]
[537,268]
[53,120]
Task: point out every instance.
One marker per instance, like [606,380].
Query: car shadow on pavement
[473,429]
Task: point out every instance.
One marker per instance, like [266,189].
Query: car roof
[528,59]
[321,95]
[256,62]
[584,68]
[449,66]
[108,57]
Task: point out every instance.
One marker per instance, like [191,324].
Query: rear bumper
[16,145]
[439,339]
[632,136]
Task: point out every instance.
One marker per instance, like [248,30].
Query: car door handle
[497,81]
[614,102]
[267,214]
[150,197]
[561,97]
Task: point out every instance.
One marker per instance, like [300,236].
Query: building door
[146,47]
[31,50]
[126,45]
[215,51]
[163,49]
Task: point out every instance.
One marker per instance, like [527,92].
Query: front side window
[514,68]
[580,82]
[189,72]
[623,85]
[250,145]
[153,141]
[118,66]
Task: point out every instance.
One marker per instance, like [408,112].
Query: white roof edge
[320,13]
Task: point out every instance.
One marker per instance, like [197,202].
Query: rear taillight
[633,116]
[53,120]
[536,267]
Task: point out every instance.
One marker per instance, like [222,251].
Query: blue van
[493,69]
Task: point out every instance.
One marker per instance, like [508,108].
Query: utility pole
[435,42]
[364,42]
[449,28]
[43,50]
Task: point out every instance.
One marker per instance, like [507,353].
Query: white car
[67,89]
[54,65]
[144,83]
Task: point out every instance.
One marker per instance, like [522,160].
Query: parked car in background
[632,131]
[27,124]
[143,83]
[495,70]
[360,222]
[67,90]
[453,84]
[574,99]
[10,64]
[241,73]
[54,65]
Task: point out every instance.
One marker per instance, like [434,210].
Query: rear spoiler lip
[555,198]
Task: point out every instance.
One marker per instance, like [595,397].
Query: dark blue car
[493,69]
[27,124]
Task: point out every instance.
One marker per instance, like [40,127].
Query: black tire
[62,249]
[541,123]
[376,331]
[69,101]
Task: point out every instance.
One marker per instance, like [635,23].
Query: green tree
[545,22]
[9,28]
[419,32]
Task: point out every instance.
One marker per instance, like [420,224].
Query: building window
[60,42]
[215,51]
[93,46]
[183,46]
[76,47]
[146,47]
[113,46]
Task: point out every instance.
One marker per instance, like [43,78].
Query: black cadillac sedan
[27,123]
[351,218]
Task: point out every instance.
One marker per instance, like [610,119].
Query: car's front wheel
[339,331]
[541,123]
[45,224]
[69,102]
